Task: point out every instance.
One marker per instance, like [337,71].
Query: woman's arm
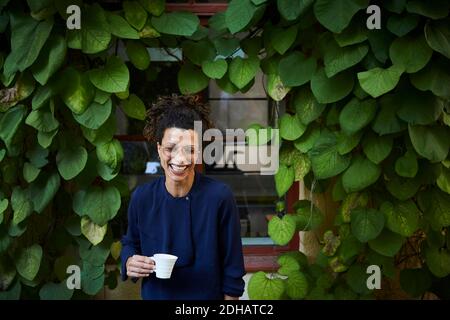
[230,246]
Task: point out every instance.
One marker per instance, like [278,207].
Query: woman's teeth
[177,168]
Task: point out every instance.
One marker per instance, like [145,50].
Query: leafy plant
[368,120]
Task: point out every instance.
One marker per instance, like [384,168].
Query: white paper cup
[164,264]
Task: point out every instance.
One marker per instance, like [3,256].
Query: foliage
[368,118]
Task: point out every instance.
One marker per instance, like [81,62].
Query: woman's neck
[180,188]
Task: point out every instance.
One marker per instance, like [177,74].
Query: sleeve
[130,241]
[230,246]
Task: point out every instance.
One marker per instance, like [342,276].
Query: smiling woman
[183,213]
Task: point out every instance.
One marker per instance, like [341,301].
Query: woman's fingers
[142,265]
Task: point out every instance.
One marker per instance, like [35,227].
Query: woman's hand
[139,266]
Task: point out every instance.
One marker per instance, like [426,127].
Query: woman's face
[178,153]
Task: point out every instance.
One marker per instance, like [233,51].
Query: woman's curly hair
[175,111]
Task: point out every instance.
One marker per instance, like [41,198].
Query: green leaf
[357,114]
[110,153]
[396,6]
[120,27]
[356,278]
[307,216]
[93,232]
[436,205]
[275,87]
[402,218]
[415,282]
[45,138]
[10,123]
[307,140]
[101,204]
[386,121]
[412,111]
[282,39]
[410,53]
[239,14]
[135,14]
[50,59]
[138,54]
[290,127]
[355,33]
[42,120]
[92,278]
[260,287]
[380,41]
[155,7]
[402,24]
[434,77]
[242,71]
[349,248]
[407,166]
[291,10]
[437,35]
[282,230]
[226,47]
[296,285]
[295,69]
[42,190]
[77,91]
[13,293]
[28,36]
[430,142]
[55,291]
[101,135]
[215,69]
[257,135]
[346,143]
[438,261]
[95,31]
[176,23]
[326,161]
[113,77]
[21,205]
[387,243]
[329,90]
[95,115]
[361,174]
[191,79]
[200,51]
[366,224]
[336,15]
[377,148]
[30,172]
[403,188]
[338,59]
[134,107]
[71,160]
[284,178]
[42,95]
[443,180]
[434,9]
[378,81]
[28,261]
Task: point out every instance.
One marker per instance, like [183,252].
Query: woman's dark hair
[175,111]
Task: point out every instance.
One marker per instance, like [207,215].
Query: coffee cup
[164,264]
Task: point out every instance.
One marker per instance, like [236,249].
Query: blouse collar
[189,194]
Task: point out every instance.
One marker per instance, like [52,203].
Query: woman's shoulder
[144,189]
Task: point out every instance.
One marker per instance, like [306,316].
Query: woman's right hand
[139,266]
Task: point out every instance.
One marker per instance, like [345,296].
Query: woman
[183,213]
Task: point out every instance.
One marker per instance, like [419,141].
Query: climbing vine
[367,120]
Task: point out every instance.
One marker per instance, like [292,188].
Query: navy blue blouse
[201,228]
